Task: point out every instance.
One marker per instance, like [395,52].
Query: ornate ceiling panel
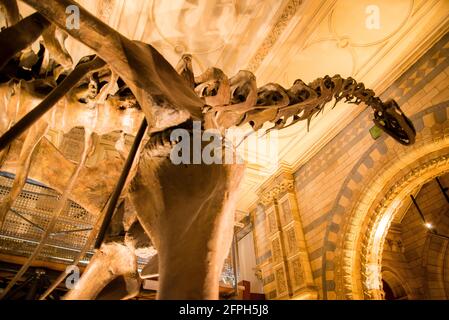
[222,33]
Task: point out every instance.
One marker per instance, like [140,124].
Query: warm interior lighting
[428,225]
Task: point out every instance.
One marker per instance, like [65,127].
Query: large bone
[58,210]
[50,100]
[33,137]
[87,245]
[110,88]
[11,10]
[20,36]
[107,276]
[109,262]
[134,240]
[54,43]
[188,211]
[102,117]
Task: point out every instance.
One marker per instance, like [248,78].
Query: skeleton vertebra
[186,210]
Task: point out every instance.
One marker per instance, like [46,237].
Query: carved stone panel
[281,280]
[272,225]
[276,250]
[297,273]
[286,212]
[289,263]
[291,240]
[269,282]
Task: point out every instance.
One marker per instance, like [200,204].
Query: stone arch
[371,191]
[398,285]
[374,228]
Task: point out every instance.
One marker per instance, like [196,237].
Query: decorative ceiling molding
[333,22]
[275,187]
[188,13]
[287,14]
[106,9]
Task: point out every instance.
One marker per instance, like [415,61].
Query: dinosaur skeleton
[131,79]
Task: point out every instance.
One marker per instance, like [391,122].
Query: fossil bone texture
[186,210]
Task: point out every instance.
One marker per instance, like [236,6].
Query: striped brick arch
[368,200]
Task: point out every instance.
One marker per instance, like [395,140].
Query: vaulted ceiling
[281,41]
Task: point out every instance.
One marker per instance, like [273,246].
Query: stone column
[287,274]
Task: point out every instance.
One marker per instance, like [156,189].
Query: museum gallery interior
[224,149]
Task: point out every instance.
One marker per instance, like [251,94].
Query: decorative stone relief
[272,224]
[298,274]
[275,33]
[281,282]
[269,196]
[286,212]
[278,197]
[292,242]
[276,249]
